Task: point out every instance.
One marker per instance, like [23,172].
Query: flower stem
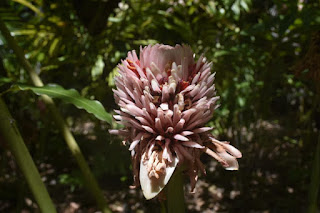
[163,207]
[11,134]
[90,180]
[175,193]
[315,181]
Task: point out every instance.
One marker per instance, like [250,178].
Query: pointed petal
[133,145]
[231,161]
[149,129]
[180,137]
[231,149]
[186,133]
[155,85]
[217,157]
[202,129]
[135,141]
[192,144]
[164,106]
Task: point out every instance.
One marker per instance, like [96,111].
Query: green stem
[315,181]
[175,193]
[163,207]
[91,182]
[11,134]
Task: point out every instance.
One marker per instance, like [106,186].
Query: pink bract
[165,99]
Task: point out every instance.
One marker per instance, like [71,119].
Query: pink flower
[165,100]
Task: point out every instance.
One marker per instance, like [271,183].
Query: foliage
[265,56]
[69,96]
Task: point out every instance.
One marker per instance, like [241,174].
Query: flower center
[156,165]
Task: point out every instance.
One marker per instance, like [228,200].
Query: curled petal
[133,145]
[217,157]
[231,149]
[169,130]
[135,141]
[232,163]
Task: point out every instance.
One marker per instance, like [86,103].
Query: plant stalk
[11,134]
[175,193]
[90,180]
[315,181]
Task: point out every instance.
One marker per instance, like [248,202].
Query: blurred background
[267,58]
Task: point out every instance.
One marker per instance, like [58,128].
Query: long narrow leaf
[70,96]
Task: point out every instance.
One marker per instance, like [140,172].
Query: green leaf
[4,80]
[221,53]
[70,96]
[97,69]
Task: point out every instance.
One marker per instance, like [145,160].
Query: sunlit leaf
[97,69]
[30,5]
[53,46]
[70,96]
[4,80]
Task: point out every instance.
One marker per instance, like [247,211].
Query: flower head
[165,100]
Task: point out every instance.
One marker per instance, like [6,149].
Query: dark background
[267,58]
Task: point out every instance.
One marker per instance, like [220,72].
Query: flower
[165,100]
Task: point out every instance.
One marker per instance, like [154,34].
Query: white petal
[192,144]
[133,145]
[229,148]
[202,129]
[117,117]
[149,129]
[180,137]
[160,138]
[135,141]
[231,161]
[164,106]
[155,85]
[232,150]
[186,133]
[151,187]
